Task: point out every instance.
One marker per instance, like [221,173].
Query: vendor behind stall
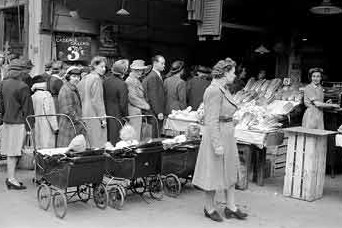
[314,101]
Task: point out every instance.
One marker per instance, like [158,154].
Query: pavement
[266,206]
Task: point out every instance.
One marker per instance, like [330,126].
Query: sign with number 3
[73,48]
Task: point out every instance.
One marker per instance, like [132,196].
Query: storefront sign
[108,45]
[73,48]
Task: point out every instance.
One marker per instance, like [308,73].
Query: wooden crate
[305,163]
[277,160]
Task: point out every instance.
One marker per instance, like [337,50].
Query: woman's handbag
[26,160]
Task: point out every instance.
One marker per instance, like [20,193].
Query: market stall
[264,108]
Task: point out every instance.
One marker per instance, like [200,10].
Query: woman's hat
[17,64]
[120,67]
[203,69]
[177,66]
[138,65]
[73,70]
[38,79]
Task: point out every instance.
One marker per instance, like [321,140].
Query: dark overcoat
[116,101]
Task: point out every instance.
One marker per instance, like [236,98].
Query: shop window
[13,33]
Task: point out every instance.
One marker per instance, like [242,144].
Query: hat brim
[139,68]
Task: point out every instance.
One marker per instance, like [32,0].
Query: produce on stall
[262,103]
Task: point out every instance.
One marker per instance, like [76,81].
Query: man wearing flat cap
[115,94]
[175,88]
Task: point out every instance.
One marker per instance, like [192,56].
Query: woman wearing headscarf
[217,163]
[91,92]
[69,101]
[15,106]
[136,95]
[116,99]
[175,88]
[313,100]
[45,127]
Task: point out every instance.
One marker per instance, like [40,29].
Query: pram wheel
[155,185]
[116,197]
[44,196]
[139,185]
[59,203]
[84,192]
[172,185]
[100,196]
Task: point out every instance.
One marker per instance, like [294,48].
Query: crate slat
[299,168]
[287,191]
[310,169]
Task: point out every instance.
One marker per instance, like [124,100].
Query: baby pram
[64,176]
[135,168]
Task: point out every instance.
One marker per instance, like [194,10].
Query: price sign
[73,48]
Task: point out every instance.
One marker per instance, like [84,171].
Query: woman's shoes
[10,185]
[215,216]
[234,214]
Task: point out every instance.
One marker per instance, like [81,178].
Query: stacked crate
[276,160]
[305,164]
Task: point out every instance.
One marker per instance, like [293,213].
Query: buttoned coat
[154,89]
[175,93]
[136,102]
[217,172]
[91,93]
[116,103]
[45,127]
[69,102]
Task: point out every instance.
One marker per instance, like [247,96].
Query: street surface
[266,206]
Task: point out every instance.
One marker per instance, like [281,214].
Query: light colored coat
[175,93]
[217,172]
[91,92]
[136,102]
[43,104]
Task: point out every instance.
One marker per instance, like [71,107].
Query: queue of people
[83,93]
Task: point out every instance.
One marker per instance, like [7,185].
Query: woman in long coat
[217,162]
[313,100]
[15,106]
[136,98]
[91,92]
[69,101]
[43,104]
[116,98]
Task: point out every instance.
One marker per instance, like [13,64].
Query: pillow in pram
[78,144]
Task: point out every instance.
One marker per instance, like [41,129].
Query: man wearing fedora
[154,88]
[115,94]
[175,88]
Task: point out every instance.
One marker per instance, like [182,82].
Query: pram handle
[37,116]
[126,118]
